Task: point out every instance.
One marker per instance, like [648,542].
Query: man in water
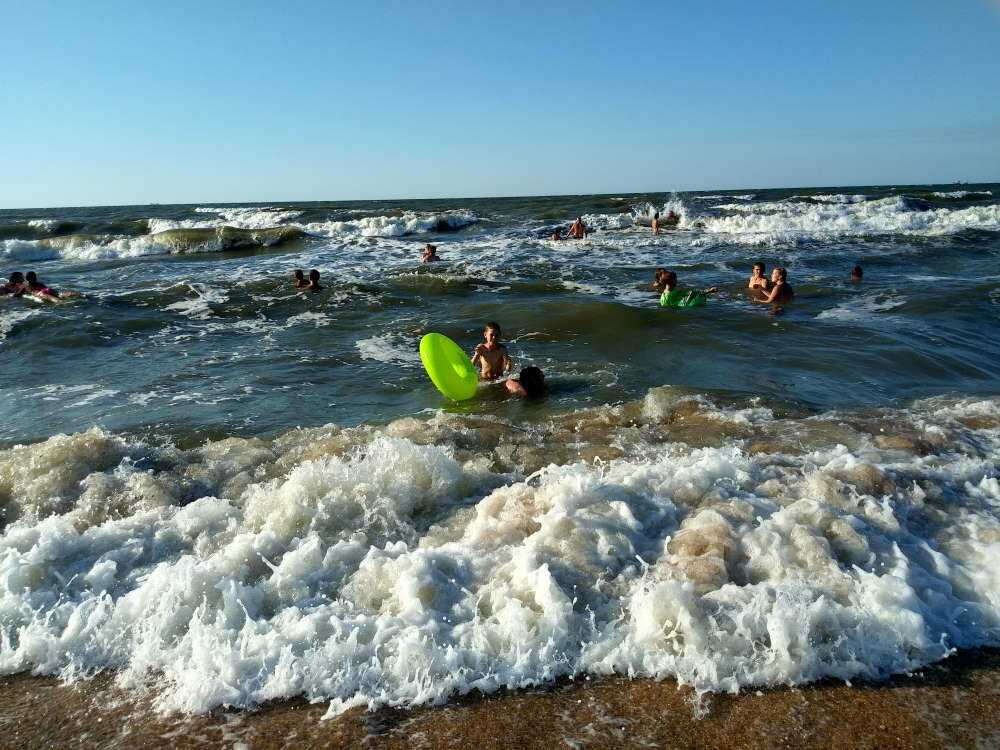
[655,223]
[430,254]
[857,274]
[491,356]
[530,383]
[313,285]
[781,290]
[578,230]
[14,286]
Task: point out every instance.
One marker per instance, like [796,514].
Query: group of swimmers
[493,361]
[20,284]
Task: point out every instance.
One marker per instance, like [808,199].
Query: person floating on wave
[781,290]
[300,279]
[758,277]
[37,289]
[578,230]
[530,383]
[429,254]
[655,223]
[673,296]
[857,274]
[15,285]
[491,356]
[313,285]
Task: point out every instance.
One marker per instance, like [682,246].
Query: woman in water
[781,290]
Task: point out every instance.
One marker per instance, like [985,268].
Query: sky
[112,103]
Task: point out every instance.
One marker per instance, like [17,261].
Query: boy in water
[529,384]
[313,285]
[491,356]
[36,288]
[674,297]
[14,286]
[300,279]
[758,279]
[430,254]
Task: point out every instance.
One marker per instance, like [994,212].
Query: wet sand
[952,704]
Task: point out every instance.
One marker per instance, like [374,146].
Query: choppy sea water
[233,492]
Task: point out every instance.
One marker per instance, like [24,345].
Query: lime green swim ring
[448,367]
[683,298]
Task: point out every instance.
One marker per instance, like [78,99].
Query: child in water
[429,254]
[15,285]
[781,290]
[300,279]
[491,356]
[674,297]
[312,285]
[530,383]
[758,279]
[37,289]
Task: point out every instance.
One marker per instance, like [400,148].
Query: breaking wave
[670,537]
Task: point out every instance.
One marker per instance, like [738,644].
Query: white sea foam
[199,307]
[962,193]
[788,222]
[254,217]
[834,198]
[408,222]
[863,308]
[390,348]
[13,312]
[402,565]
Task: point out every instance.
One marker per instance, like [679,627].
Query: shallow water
[238,493]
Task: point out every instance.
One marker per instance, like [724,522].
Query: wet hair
[656,215]
[760,264]
[297,273]
[856,271]
[782,274]
[17,278]
[314,275]
[670,278]
[31,277]
[494,326]
[432,248]
[533,381]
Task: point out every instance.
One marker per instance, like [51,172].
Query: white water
[404,564]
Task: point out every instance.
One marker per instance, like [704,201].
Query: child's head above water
[669,279]
[298,275]
[314,276]
[491,332]
[759,268]
[533,381]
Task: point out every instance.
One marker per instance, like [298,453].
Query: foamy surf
[404,564]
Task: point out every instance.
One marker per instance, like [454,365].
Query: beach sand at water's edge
[952,704]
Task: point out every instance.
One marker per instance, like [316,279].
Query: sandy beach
[954,704]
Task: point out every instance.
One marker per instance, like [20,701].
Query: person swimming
[299,277]
[429,254]
[673,296]
[491,356]
[530,383]
[37,289]
[758,277]
[15,285]
[557,234]
[313,285]
[857,274]
[578,230]
[659,284]
[781,290]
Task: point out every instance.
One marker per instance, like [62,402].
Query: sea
[225,492]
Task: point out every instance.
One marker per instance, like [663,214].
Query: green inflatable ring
[448,367]
[683,298]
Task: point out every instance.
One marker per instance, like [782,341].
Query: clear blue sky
[134,102]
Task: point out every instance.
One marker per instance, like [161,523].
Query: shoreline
[953,703]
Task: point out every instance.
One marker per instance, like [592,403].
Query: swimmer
[659,284]
[781,290]
[313,285]
[578,230]
[491,357]
[429,254]
[857,274]
[300,279]
[37,289]
[557,235]
[758,279]
[670,284]
[530,383]
[14,286]
[655,223]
